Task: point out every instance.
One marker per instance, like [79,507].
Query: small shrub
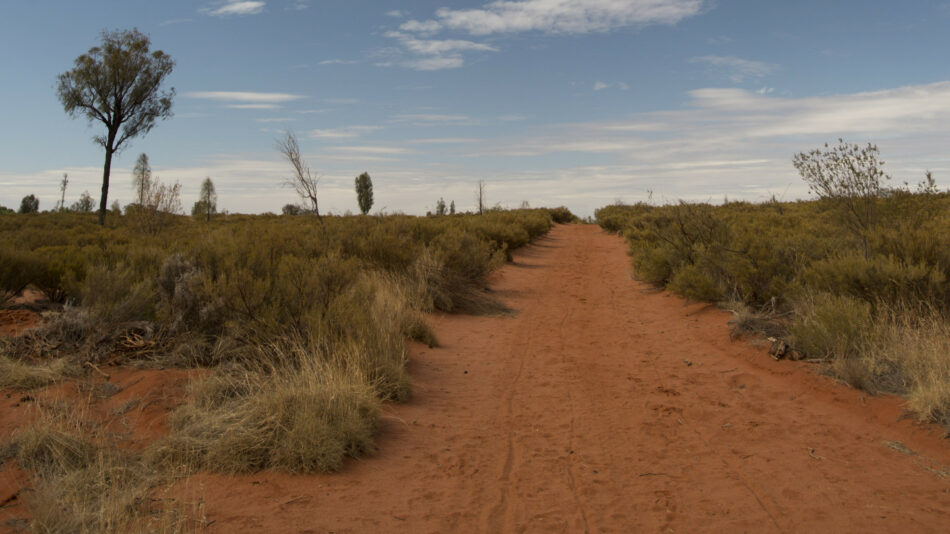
[690,282]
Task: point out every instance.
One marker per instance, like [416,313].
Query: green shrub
[689,281]
[831,326]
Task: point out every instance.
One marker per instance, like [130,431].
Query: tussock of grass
[910,353]
[82,483]
[22,375]
[302,414]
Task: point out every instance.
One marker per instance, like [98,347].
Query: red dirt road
[605,406]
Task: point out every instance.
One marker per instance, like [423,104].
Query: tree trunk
[103,202]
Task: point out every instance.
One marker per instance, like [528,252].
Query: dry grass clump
[82,483]
[22,375]
[910,347]
[300,413]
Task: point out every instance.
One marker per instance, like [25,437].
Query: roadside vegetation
[858,279]
[301,322]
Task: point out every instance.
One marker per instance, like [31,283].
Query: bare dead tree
[480,196]
[304,182]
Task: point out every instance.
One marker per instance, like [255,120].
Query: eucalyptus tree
[118,84]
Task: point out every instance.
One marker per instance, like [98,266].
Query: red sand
[606,406]
[14,322]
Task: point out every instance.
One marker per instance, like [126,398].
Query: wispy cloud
[436,54]
[443,141]
[229,8]
[738,142]
[558,16]
[378,150]
[395,14]
[434,62]
[244,97]
[600,86]
[276,120]
[338,62]
[346,132]
[170,22]
[432,119]
[737,69]
[512,16]
[253,106]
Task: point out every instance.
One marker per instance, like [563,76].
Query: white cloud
[429,26]
[511,16]
[558,16]
[379,150]
[438,47]
[395,14]
[737,69]
[338,62]
[435,63]
[276,120]
[738,142]
[253,106]
[436,54]
[600,86]
[170,22]
[432,119]
[347,132]
[244,97]
[234,7]
[443,141]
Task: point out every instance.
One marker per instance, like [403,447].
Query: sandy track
[606,406]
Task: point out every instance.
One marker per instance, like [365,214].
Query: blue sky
[575,102]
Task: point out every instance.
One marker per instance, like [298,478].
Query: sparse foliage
[849,175]
[161,201]
[141,177]
[364,192]
[291,209]
[30,204]
[452,208]
[207,204]
[62,192]
[118,84]
[440,208]
[85,204]
[480,196]
[303,181]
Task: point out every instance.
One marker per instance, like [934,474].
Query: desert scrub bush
[561,215]
[15,269]
[690,282]
[117,295]
[299,413]
[836,328]
[614,218]
[880,278]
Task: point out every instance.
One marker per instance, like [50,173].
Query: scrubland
[871,302]
[301,323]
